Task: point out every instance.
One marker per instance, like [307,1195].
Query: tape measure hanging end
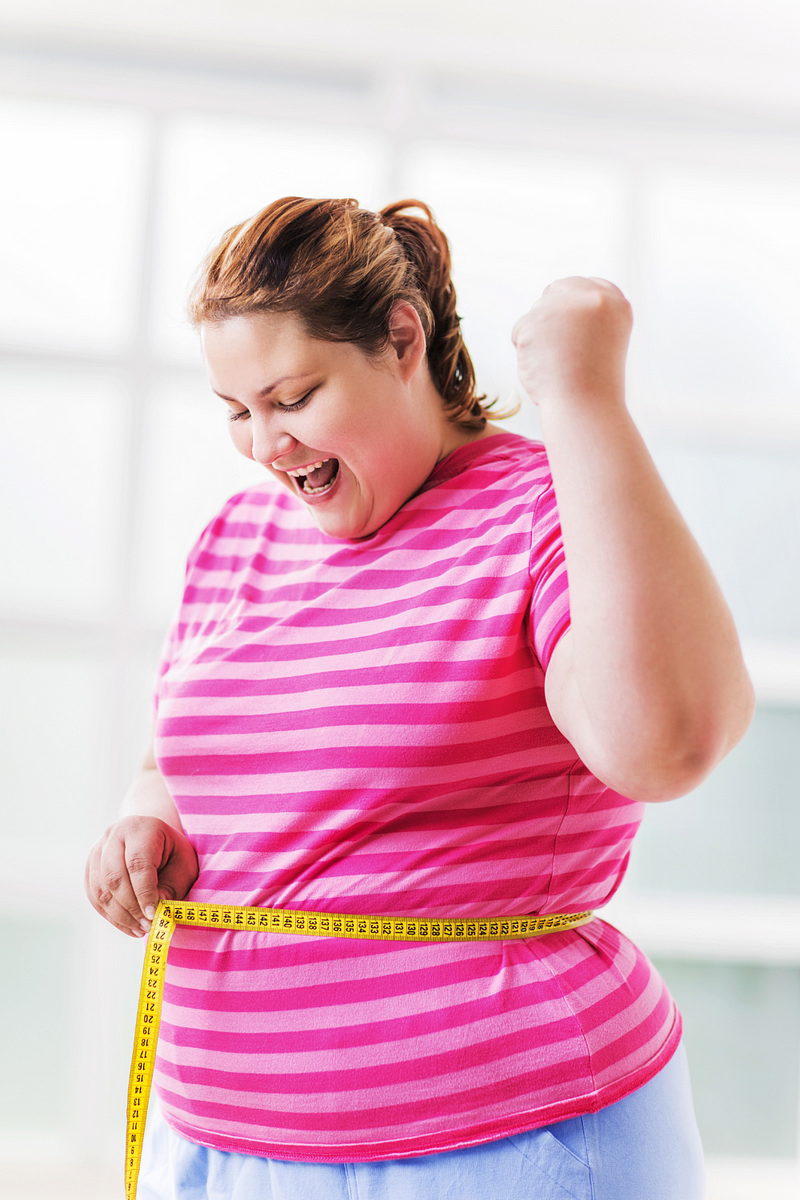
[148,1019]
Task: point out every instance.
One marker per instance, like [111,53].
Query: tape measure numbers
[284,920]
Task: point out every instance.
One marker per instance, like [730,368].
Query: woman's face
[376,425]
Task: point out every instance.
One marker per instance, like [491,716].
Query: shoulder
[515,468]
[518,470]
[496,462]
[497,481]
[529,460]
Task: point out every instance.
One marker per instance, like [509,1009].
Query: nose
[268,444]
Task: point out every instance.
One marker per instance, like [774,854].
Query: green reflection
[742,1033]
[740,830]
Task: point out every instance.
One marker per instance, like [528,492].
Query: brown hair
[341,269]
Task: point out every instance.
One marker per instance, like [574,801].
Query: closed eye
[298,403]
[237,416]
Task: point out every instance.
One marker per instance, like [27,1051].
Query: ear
[407,338]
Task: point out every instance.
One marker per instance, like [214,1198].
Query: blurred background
[657,145]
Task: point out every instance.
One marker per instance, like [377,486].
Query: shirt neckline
[458,460]
[467,455]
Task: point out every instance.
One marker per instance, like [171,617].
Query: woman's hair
[342,269]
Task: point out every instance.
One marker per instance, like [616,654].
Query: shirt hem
[442,1141]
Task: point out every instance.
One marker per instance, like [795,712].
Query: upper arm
[562,694]
[571,718]
[566,707]
[654,775]
[640,744]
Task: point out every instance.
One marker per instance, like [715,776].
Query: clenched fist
[573,342]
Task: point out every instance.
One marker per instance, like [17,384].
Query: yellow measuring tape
[284,920]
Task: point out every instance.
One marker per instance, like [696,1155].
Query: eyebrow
[265,391]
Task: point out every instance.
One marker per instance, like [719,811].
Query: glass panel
[61,457]
[722,257]
[742,1032]
[35,1014]
[218,172]
[71,205]
[53,711]
[740,830]
[516,222]
[191,469]
[743,506]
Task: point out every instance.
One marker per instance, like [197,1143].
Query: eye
[237,416]
[298,403]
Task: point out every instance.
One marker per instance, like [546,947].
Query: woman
[380,697]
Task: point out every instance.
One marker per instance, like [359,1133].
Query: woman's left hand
[573,342]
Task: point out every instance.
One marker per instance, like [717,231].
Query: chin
[345,528]
[335,527]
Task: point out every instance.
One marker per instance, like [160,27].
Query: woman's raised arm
[143,857]
[649,684]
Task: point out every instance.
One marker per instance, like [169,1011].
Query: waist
[366,926]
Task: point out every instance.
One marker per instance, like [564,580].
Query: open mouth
[317,479]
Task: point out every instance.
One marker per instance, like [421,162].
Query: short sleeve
[548,616]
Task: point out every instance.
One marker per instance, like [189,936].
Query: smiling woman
[318,413]
[383,696]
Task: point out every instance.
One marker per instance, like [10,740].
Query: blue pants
[645,1147]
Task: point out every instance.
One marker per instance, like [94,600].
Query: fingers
[102,898]
[122,873]
[137,862]
[576,286]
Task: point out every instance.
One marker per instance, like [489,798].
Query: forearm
[148,797]
[660,692]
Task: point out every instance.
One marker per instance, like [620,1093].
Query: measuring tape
[284,920]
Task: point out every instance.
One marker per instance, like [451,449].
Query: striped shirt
[360,726]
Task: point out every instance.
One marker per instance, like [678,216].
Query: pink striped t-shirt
[360,726]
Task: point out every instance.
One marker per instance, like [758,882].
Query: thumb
[143,852]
